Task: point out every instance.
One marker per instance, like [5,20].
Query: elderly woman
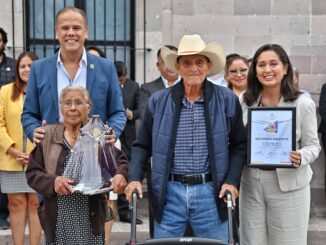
[275,202]
[68,217]
[14,153]
[195,134]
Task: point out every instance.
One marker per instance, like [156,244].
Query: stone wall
[241,26]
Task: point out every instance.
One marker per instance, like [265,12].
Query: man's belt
[189,179]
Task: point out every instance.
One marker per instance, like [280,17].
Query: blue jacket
[225,137]
[41,101]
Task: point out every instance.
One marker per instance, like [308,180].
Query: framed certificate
[271,136]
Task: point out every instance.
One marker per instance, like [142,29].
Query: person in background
[72,65]
[96,51]
[7,75]
[296,75]
[222,80]
[167,79]
[130,93]
[14,154]
[69,217]
[275,202]
[236,72]
[195,134]
[322,125]
[7,64]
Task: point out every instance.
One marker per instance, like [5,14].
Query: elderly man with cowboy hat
[195,134]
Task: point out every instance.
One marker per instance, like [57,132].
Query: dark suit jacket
[322,110]
[146,90]
[130,94]
[41,101]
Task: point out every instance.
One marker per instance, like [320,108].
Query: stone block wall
[242,26]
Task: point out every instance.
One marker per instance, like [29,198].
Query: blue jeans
[194,204]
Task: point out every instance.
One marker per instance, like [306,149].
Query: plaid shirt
[191,152]
[7,70]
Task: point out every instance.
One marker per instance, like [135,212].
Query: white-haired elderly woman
[196,138]
[68,217]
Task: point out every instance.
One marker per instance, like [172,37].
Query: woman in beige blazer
[14,155]
[275,203]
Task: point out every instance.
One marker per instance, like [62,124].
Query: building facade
[241,26]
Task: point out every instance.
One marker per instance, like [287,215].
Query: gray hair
[80,89]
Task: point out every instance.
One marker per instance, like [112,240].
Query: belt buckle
[184,179]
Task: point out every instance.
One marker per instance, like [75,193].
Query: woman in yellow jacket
[14,154]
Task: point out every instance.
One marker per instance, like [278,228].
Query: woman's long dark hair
[288,91]
[19,85]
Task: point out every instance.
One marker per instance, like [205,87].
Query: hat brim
[213,51]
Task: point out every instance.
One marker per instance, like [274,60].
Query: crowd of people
[191,144]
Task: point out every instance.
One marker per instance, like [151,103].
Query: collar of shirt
[83,60]
[165,82]
[188,104]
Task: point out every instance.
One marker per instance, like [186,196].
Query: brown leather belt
[189,179]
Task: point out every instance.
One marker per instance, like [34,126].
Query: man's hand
[232,189]
[131,186]
[63,186]
[119,183]
[129,114]
[39,133]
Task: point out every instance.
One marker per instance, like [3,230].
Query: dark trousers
[4,212]
[123,205]
[323,140]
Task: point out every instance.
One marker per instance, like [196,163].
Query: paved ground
[121,231]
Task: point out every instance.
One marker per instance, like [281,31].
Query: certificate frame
[271,136]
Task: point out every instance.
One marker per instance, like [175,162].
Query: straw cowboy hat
[193,44]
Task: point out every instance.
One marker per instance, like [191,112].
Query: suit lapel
[53,79]
[91,68]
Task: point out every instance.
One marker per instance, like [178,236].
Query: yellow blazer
[11,130]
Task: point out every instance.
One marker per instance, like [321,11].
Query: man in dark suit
[167,79]
[130,95]
[322,126]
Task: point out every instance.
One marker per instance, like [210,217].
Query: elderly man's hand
[119,183]
[232,189]
[39,133]
[132,186]
[63,186]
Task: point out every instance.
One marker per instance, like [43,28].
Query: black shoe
[4,224]
[127,218]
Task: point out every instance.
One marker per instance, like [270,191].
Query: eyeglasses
[241,71]
[68,104]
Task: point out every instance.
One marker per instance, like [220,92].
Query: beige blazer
[307,142]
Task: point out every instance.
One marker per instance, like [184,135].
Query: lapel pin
[91,66]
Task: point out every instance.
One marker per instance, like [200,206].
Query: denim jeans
[194,204]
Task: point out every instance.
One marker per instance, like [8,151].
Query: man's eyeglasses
[68,104]
[241,71]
